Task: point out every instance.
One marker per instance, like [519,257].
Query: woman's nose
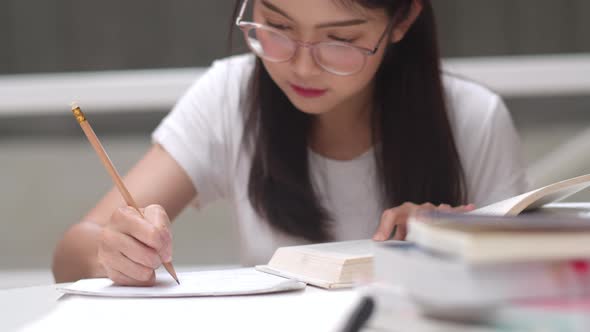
[304,64]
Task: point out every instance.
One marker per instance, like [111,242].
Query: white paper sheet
[204,283]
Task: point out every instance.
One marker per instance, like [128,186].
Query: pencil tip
[168,266]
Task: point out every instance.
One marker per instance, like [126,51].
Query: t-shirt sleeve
[194,133]
[498,170]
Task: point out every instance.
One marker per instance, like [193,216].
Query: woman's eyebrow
[344,23]
[275,9]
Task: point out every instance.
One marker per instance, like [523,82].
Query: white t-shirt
[203,133]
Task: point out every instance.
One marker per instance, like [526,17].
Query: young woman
[338,127]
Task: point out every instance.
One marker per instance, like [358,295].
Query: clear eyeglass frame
[315,48]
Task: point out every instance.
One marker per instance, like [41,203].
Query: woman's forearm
[76,254]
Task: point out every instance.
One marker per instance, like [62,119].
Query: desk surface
[22,305]
[43,308]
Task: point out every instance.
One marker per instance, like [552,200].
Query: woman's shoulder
[471,106]
[239,67]
[475,112]
[214,101]
[487,141]
[224,76]
[222,86]
[468,97]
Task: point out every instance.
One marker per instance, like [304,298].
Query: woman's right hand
[131,248]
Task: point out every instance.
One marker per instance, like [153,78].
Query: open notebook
[204,283]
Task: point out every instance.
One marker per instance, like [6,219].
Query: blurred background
[127,62]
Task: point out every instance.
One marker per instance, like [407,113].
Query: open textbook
[204,283]
[326,265]
[536,198]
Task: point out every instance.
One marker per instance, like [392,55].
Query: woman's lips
[307,92]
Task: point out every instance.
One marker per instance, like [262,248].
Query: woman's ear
[401,28]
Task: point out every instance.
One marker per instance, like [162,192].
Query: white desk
[45,309]
[19,306]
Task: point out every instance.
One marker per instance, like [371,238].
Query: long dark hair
[416,157]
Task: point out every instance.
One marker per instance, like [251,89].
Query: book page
[557,195]
[203,283]
[502,208]
[536,198]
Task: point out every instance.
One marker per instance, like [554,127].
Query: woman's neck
[345,132]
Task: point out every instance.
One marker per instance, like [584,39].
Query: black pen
[360,315]
[393,232]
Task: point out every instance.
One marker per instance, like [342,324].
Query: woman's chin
[312,111]
[311,107]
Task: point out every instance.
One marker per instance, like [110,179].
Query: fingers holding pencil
[162,229]
[132,247]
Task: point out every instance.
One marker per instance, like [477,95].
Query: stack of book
[524,273]
[453,259]
[494,254]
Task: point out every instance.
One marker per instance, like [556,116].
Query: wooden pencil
[108,164]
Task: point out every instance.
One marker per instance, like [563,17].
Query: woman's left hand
[397,218]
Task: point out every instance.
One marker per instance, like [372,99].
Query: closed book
[395,312]
[478,239]
[439,279]
[565,314]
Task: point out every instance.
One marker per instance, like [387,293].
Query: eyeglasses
[334,57]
